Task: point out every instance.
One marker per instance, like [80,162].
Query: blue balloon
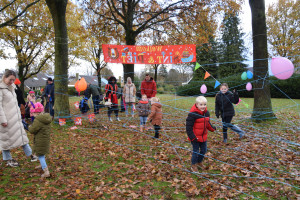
[249,74]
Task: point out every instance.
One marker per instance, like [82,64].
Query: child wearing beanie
[41,129]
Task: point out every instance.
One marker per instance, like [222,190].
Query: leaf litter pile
[114,160]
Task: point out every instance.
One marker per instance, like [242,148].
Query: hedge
[289,88]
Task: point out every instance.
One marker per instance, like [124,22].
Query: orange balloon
[76,85]
[82,85]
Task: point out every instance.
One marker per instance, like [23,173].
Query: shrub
[160,90]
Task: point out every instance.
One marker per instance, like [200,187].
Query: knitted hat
[31,92]
[38,108]
[17,81]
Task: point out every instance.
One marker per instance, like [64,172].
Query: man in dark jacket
[95,91]
[49,93]
[20,98]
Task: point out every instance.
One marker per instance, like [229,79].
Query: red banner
[131,54]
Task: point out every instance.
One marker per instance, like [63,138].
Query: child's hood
[195,109]
[144,101]
[44,118]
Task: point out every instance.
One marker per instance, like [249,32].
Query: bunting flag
[217,83]
[76,104]
[197,66]
[91,117]
[206,75]
[62,122]
[78,121]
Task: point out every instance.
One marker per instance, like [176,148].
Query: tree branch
[21,13]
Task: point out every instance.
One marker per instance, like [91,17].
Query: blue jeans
[196,157]
[127,107]
[143,120]
[7,155]
[227,124]
[42,160]
[96,101]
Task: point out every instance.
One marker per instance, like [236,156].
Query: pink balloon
[249,86]
[282,68]
[203,89]
[239,101]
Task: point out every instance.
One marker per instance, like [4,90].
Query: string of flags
[203,88]
[244,76]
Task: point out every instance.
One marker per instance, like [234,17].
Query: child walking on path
[224,105]
[155,116]
[143,109]
[41,130]
[197,126]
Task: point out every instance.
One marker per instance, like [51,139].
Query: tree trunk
[129,68]
[155,72]
[98,74]
[58,11]
[262,109]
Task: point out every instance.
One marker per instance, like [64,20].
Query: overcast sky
[118,69]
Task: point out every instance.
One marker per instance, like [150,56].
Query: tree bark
[99,74]
[58,11]
[262,109]
[129,68]
[155,72]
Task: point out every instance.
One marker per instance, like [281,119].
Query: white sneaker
[118,119]
[34,158]
[12,163]
[110,119]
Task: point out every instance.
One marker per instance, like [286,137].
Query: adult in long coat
[129,92]
[12,133]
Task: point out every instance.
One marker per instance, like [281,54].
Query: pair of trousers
[96,102]
[113,109]
[227,124]
[143,120]
[156,129]
[196,156]
[7,155]
[42,160]
[127,107]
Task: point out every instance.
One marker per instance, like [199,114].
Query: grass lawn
[105,160]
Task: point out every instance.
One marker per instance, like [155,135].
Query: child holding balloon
[224,106]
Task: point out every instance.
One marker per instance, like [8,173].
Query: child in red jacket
[197,126]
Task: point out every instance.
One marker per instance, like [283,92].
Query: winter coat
[93,90]
[13,135]
[129,91]
[50,91]
[148,88]
[197,124]
[223,103]
[41,128]
[156,114]
[143,108]
[20,96]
